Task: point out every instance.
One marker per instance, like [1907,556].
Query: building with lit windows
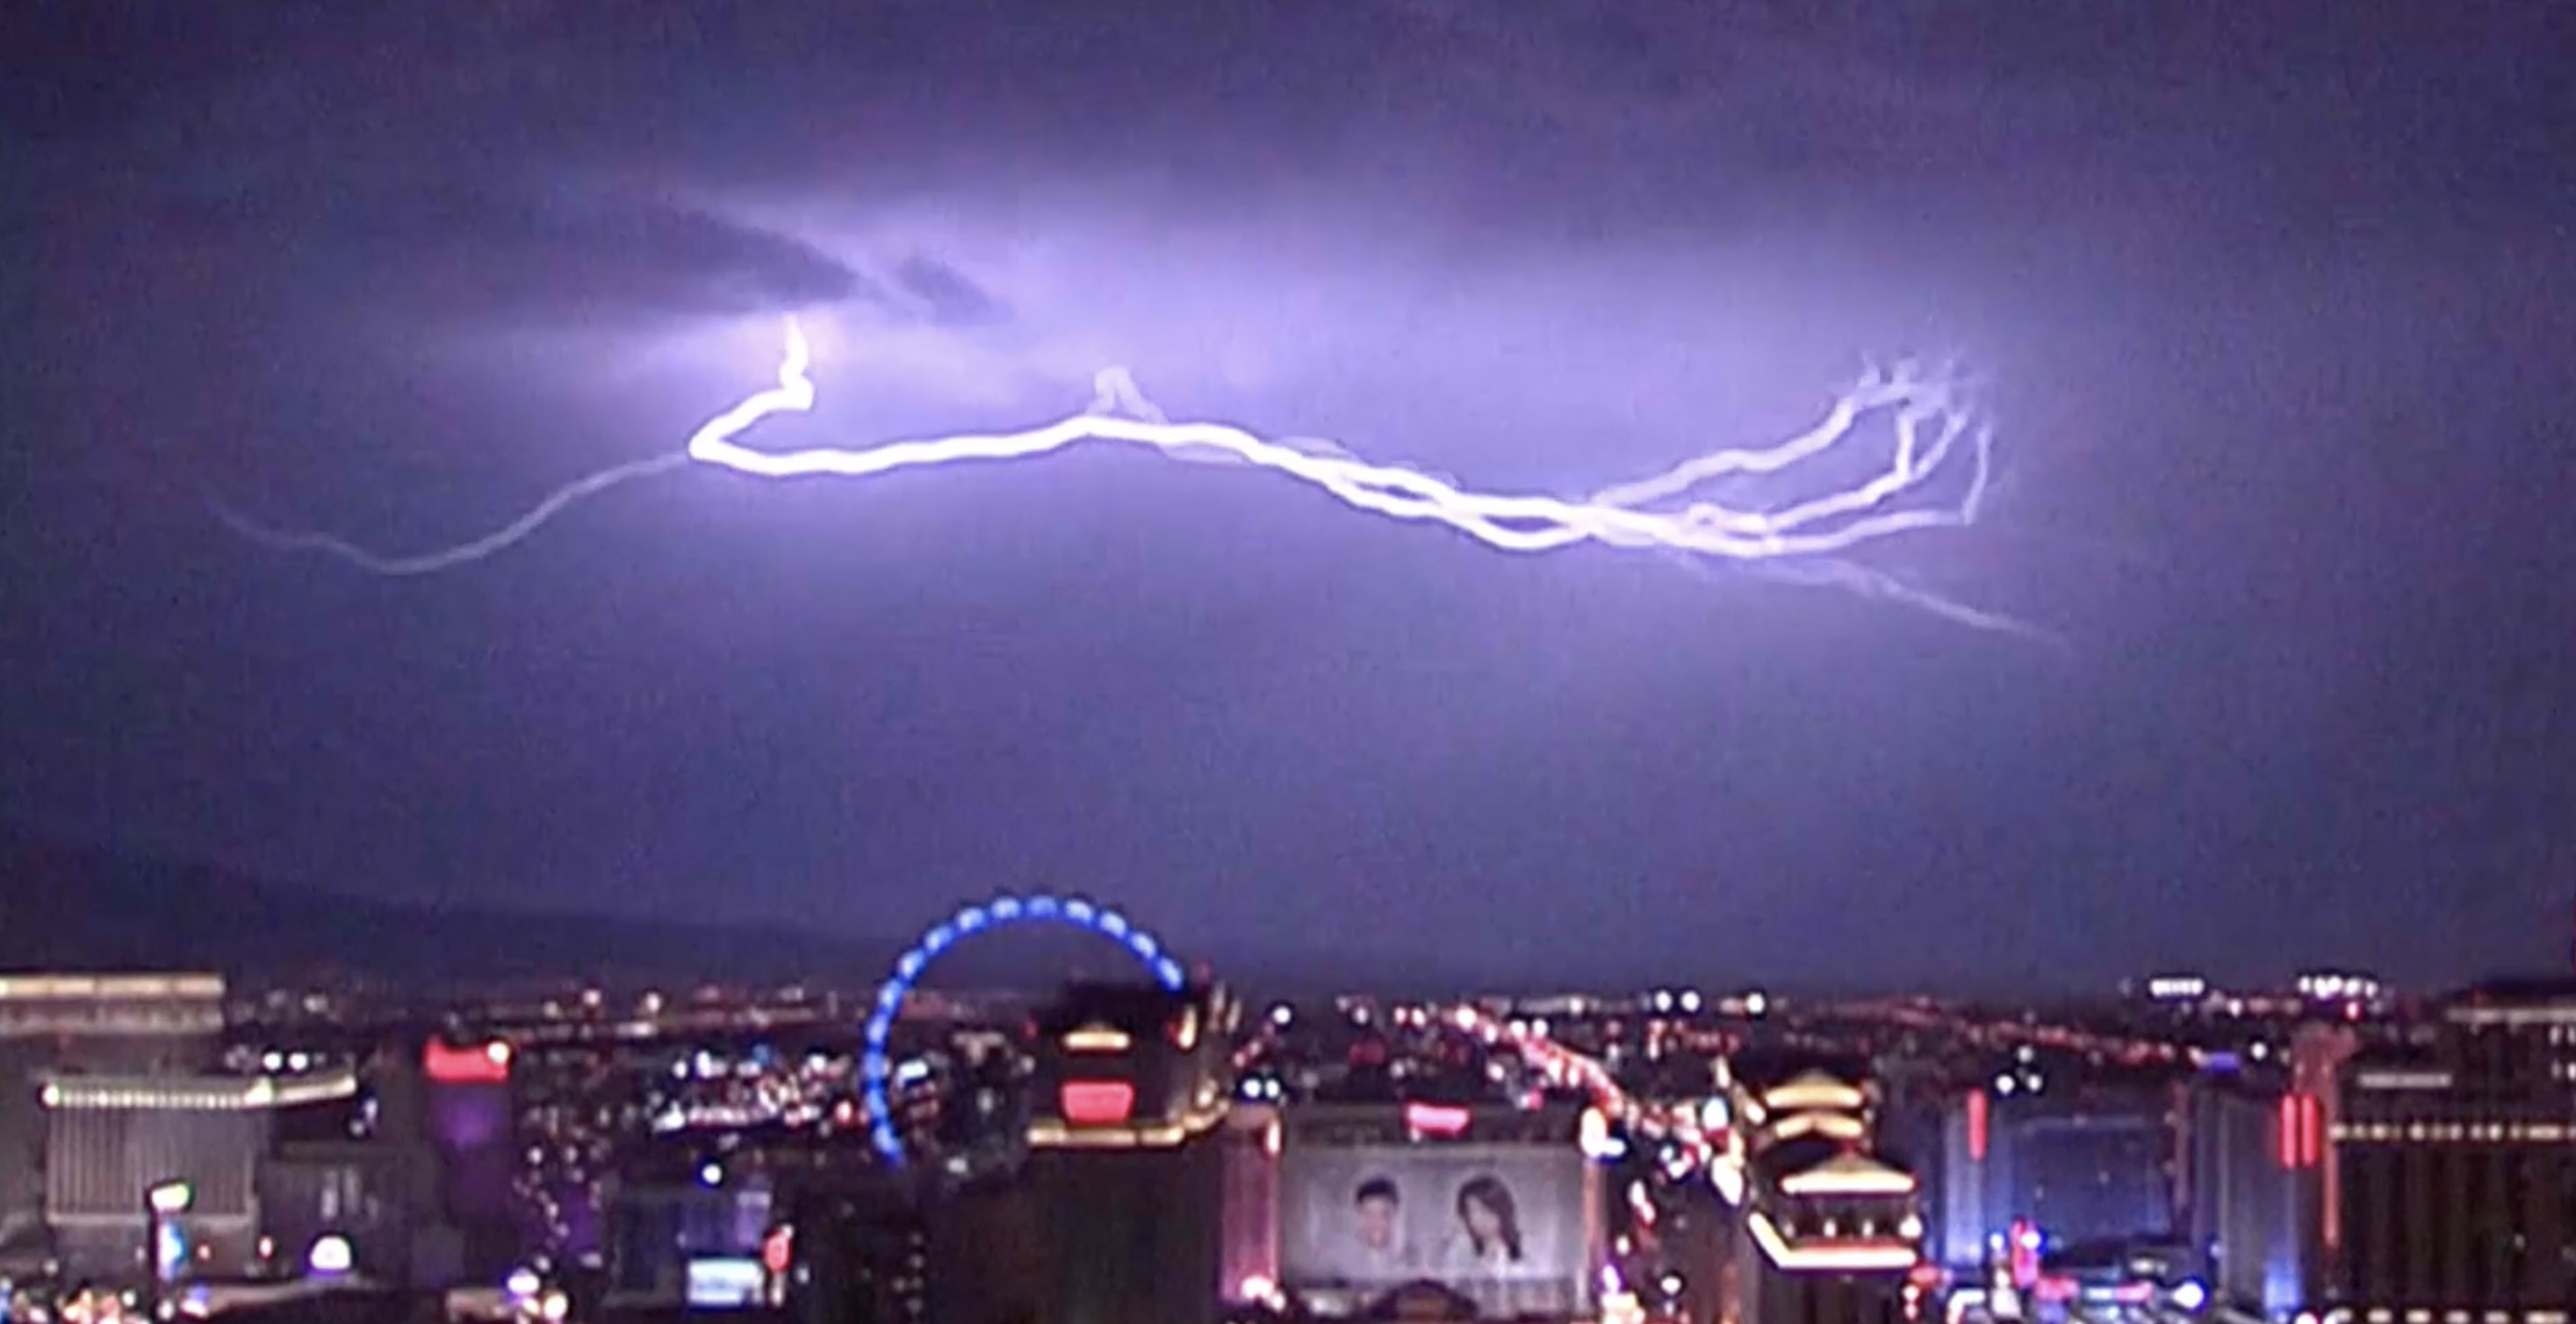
[1129,1088]
[127,1024]
[2457,1169]
[1832,1232]
[111,1139]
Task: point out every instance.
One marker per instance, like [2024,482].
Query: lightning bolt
[1936,433]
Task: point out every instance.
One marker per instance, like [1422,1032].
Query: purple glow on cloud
[2265,301]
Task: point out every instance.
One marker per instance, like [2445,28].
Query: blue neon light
[875,1070]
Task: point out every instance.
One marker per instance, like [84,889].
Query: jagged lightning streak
[1935,432]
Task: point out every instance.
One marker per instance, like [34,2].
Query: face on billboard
[1379,1216]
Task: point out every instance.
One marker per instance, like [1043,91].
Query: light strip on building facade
[105,988]
[1096,1039]
[1868,1181]
[1052,1133]
[1833,1126]
[1829,1257]
[195,1094]
[1800,1095]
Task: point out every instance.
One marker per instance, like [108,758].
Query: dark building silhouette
[861,1253]
[2086,1165]
[2253,1195]
[1124,1171]
[2457,1167]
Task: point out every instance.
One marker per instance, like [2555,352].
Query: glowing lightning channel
[1934,431]
[1819,526]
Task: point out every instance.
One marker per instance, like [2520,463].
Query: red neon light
[483,1064]
[1433,1119]
[1096,1102]
[2289,1131]
[2311,1131]
[2025,1254]
[1977,1126]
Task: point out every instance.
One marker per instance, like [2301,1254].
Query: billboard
[727,1283]
[1509,1225]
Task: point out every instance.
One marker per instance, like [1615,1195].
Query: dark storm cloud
[948,296]
[470,250]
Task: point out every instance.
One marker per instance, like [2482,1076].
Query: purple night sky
[2273,302]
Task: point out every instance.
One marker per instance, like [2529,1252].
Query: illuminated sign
[1096,1102]
[1434,1119]
[482,1064]
[2027,1242]
[725,1283]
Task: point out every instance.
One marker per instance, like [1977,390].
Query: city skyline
[2264,307]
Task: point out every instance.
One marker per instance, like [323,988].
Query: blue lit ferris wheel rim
[876,1070]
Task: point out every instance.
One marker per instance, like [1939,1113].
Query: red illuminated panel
[2026,1242]
[2311,1131]
[1977,1122]
[1096,1102]
[2289,1131]
[1433,1119]
[482,1064]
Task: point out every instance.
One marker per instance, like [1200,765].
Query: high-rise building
[464,1095]
[1831,1231]
[1124,1167]
[2086,1166]
[2457,1169]
[124,1024]
[1251,1140]
[110,1140]
[2253,1194]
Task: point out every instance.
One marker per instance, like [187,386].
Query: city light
[331,1255]
[1436,1119]
[1096,1102]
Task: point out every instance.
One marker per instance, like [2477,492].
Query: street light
[162,1202]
